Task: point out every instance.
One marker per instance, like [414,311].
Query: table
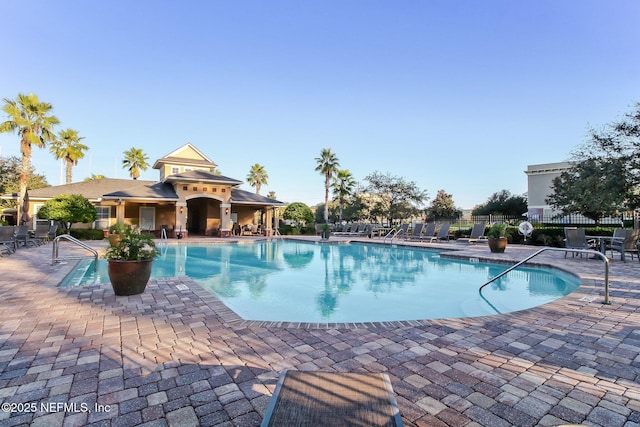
[602,242]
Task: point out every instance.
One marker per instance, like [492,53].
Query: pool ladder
[56,242]
[582,251]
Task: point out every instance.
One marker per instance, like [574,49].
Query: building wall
[539,185]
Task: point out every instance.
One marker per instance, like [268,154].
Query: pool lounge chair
[416,233]
[477,234]
[429,231]
[22,236]
[443,233]
[303,398]
[400,233]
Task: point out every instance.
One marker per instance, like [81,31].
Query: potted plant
[130,262]
[116,231]
[325,233]
[496,237]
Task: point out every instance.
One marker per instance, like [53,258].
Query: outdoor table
[602,241]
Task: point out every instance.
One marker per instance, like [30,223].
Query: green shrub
[87,234]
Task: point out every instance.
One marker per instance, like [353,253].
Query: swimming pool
[285,280]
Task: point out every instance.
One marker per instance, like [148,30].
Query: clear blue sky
[454,95]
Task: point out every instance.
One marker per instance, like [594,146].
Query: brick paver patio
[174,356]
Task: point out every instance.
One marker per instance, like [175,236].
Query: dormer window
[175,170]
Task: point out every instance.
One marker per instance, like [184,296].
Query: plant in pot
[116,231]
[496,237]
[130,262]
[325,231]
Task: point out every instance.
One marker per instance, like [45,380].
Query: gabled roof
[239,196]
[202,176]
[154,191]
[176,157]
[92,190]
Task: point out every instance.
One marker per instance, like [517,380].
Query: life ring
[525,228]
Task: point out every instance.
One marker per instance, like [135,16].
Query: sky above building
[454,95]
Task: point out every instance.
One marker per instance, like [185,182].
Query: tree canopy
[257,176]
[135,160]
[502,203]
[394,197]
[443,206]
[10,178]
[298,212]
[68,209]
[592,187]
[69,148]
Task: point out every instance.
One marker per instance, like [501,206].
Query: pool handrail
[55,257]
[584,251]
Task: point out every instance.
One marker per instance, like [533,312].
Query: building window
[175,170]
[104,217]
[223,190]
[195,188]
[213,190]
[185,188]
[204,189]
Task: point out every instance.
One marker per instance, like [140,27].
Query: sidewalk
[175,356]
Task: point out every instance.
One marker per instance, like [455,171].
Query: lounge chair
[443,233]
[304,398]
[7,239]
[42,232]
[345,230]
[416,233]
[477,233]
[429,231]
[574,238]
[626,245]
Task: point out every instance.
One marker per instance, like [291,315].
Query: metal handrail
[584,251]
[55,257]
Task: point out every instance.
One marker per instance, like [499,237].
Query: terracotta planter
[114,239]
[129,277]
[497,244]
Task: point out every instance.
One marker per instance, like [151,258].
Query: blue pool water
[283,280]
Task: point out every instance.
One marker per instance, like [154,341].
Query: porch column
[120,211]
[268,221]
[276,219]
[225,219]
[181,218]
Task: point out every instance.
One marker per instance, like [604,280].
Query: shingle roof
[153,190]
[241,196]
[92,190]
[202,176]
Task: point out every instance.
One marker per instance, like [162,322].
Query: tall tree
[502,203]
[257,176]
[592,188]
[442,206]
[343,186]
[32,120]
[271,195]
[94,177]
[618,144]
[327,165]
[393,197]
[69,148]
[10,179]
[135,160]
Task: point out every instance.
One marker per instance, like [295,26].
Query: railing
[55,258]
[584,251]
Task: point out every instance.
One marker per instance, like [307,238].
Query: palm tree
[68,147]
[327,165]
[257,176]
[343,185]
[271,195]
[135,160]
[33,121]
[94,177]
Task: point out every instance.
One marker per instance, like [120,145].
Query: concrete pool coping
[170,356]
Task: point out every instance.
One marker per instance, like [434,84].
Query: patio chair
[22,236]
[7,239]
[401,233]
[303,398]
[574,238]
[53,231]
[443,233]
[626,245]
[42,232]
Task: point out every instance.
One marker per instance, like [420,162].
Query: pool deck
[176,356]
